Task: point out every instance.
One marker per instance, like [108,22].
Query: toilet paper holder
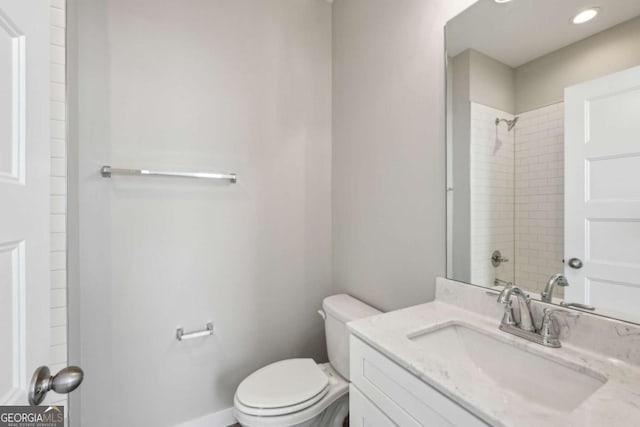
[181,335]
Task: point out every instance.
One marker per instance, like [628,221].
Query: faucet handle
[505,293]
[547,332]
[507,318]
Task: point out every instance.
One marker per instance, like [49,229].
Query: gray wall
[241,86]
[492,83]
[483,80]
[388,148]
[542,81]
[460,137]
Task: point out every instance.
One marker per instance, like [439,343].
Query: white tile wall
[529,216]
[58,314]
[492,194]
[539,209]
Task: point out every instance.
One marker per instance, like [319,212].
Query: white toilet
[300,392]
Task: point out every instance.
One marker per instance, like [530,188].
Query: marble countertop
[615,403]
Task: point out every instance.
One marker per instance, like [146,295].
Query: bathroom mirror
[543,150]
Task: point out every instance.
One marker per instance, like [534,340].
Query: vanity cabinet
[363,413]
[385,394]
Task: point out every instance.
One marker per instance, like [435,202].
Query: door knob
[575,263]
[65,381]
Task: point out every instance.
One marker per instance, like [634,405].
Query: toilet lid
[282,384]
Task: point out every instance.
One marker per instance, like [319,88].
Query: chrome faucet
[556,279]
[525,327]
[561,280]
[525,321]
[505,299]
[507,287]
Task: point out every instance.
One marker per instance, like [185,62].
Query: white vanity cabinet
[385,394]
[363,413]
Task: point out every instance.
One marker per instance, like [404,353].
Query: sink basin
[504,371]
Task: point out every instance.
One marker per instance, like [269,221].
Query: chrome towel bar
[181,336]
[107,171]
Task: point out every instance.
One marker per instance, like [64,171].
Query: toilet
[301,392]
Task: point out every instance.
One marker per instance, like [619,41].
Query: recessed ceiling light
[502,1]
[586,15]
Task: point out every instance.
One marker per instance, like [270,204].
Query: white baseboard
[222,418]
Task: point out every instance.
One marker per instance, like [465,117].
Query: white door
[24,194]
[602,193]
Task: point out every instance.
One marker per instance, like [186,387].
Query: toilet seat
[282,388]
[274,412]
[335,397]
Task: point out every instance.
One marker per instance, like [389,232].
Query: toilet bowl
[301,392]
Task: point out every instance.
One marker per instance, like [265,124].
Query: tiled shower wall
[58,358]
[532,213]
[539,208]
[492,199]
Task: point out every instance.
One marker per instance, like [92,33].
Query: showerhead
[510,123]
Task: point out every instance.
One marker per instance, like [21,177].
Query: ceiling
[517,32]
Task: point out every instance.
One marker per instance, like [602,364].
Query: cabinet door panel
[363,413]
[403,397]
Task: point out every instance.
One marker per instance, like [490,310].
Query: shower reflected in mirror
[508,159]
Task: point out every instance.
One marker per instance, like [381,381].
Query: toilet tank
[340,310]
